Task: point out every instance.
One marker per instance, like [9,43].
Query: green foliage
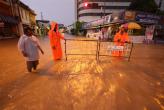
[144,5]
[73,31]
[78,27]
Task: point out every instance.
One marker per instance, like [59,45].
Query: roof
[23,5]
[43,21]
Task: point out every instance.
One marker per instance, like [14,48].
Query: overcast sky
[61,11]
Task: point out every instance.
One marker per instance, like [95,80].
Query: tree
[78,27]
[144,5]
[73,31]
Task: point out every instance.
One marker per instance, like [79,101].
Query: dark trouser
[32,64]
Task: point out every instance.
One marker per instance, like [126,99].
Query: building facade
[27,16]
[160,4]
[33,19]
[14,17]
[8,22]
[96,9]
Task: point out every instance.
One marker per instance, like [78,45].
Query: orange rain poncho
[55,36]
[120,40]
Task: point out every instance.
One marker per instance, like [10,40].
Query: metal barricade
[96,48]
[107,48]
[81,47]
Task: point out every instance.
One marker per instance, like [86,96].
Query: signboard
[107,19]
[97,22]
[116,48]
[1,24]
[147,18]
[130,15]
[117,16]
[150,32]
[94,23]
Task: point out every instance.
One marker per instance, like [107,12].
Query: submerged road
[81,83]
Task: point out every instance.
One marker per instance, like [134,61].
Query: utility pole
[104,8]
[104,13]
[41,16]
[160,3]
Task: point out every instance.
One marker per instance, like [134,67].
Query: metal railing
[96,48]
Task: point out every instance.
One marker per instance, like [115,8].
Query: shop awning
[8,19]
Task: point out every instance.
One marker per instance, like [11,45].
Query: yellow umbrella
[133,25]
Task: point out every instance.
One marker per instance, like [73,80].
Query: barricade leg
[65,49]
[130,52]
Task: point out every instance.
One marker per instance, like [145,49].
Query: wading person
[55,41]
[29,46]
[120,39]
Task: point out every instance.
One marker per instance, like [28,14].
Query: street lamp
[103,16]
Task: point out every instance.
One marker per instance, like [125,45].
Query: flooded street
[81,83]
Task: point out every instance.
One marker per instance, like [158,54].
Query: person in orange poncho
[55,37]
[120,39]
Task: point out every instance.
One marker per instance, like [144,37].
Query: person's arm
[21,46]
[24,54]
[39,46]
[41,50]
[61,36]
[116,38]
[127,39]
[52,40]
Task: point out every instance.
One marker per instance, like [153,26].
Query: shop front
[159,31]
[149,22]
[142,29]
[8,26]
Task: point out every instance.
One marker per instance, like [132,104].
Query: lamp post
[103,16]
[160,3]
[103,9]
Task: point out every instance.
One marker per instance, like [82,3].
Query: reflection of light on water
[158,83]
[76,68]
[85,84]
[93,64]
[145,108]
[110,90]
[120,74]
[98,69]
[161,96]
[128,98]
[79,67]
[83,66]
[159,103]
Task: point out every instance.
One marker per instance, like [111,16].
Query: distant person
[55,41]
[29,46]
[109,34]
[120,38]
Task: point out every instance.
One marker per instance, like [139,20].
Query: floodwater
[82,83]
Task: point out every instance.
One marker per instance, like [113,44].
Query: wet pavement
[81,83]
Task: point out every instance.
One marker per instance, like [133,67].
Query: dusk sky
[61,11]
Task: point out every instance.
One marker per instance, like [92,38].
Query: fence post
[65,48]
[98,50]
[130,53]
